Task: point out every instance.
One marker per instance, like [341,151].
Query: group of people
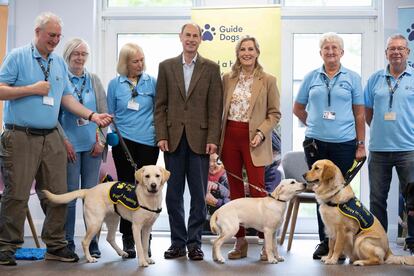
[334,108]
[53,107]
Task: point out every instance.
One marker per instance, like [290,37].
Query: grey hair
[46,17]
[125,54]
[331,37]
[71,45]
[236,68]
[194,24]
[397,36]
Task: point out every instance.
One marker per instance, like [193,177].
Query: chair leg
[287,219]
[293,223]
[32,228]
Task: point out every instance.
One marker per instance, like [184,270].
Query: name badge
[48,100]
[133,105]
[390,116]
[82,122]
[328,115]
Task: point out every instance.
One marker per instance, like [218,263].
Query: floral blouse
[240,101]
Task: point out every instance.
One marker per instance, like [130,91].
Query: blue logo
[411,33]
[208,33]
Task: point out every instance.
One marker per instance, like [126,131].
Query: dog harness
[124,193]
[356,210]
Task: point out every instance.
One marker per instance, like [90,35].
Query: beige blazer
[198,113]
[264,113]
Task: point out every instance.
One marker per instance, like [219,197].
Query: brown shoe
[238,253]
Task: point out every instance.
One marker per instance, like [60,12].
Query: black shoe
[195,254]
[63,254]
[129,246]
[94,249]
[411,250]
[322,249]
[149,246]
[174,252]
[71,245]
[7,258]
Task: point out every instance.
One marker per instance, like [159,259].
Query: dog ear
[277,191]
[139,174]
[328,172]
[165,175]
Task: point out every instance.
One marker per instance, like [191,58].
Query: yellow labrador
[364,241]
[263,214]
[98,208]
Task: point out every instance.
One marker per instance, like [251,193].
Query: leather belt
[29,130]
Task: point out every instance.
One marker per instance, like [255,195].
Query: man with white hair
[33,84]
[389,100]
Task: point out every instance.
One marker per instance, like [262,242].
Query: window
[148,3]
[327,3]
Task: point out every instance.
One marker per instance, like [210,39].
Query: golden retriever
[363,246]
[98,208]
[263,214]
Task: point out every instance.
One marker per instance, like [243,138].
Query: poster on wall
[3,31]
[222,28]
[406,28]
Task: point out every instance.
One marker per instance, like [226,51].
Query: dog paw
[91,260]
[272,261]
[123,254]
[358,263]
[150,261]
[331,261]
[143,264]
[280,259]
[220,260]
[324,258]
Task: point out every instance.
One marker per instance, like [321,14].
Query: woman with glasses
[84,151]
[130,99]
[330,103]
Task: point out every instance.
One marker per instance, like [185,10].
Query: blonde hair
[236,68]
[331,37]
[71,45]
[125,54]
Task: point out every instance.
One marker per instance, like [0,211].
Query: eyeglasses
[77,54]
[396,49]
[55,35]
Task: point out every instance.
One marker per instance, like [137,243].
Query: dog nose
[304,175]
[153,185]
[305,185]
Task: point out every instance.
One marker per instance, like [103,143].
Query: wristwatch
[359,143]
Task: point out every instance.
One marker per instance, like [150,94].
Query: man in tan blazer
[188,112]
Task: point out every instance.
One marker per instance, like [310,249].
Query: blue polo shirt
[135,125]
[346,91]
[20,68]
[387,135]
[82,137]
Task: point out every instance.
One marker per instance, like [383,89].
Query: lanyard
[134,92]
[393,89]
[79,92]
[325,78]
[46,72]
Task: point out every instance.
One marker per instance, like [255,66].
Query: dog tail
[393,259]
[64,198]
[213,225]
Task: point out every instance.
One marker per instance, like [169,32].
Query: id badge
[48,100]
[328,115]
[82,122]
[390,116]
[133,105]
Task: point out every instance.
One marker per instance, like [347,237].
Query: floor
[297,262]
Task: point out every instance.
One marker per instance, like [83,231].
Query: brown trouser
[23,158]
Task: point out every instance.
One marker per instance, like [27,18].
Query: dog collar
[278,199]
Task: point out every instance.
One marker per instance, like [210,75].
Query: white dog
[98,208]
[263,214]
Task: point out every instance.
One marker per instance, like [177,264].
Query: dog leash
[124,147]
[255,187]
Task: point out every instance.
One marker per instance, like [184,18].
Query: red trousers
[236,154]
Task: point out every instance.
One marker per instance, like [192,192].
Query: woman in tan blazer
[251,111]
